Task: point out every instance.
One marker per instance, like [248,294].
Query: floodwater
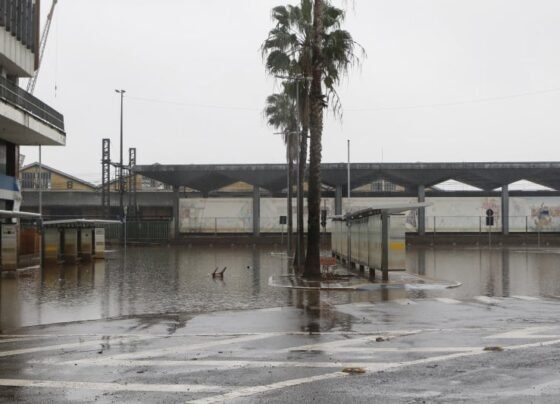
[177,279]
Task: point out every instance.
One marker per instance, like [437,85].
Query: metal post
[40,181]
[421,211]
[505,210]
[121,178]
[176,212]
[349,242]
[349,186]
[256,210]
[338,200]
[289,200]
[385,245]
[106,177]
[132,197]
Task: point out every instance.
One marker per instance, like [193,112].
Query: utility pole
[121,165]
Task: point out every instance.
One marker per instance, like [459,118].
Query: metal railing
[477,224]
[140,231]
[437,224]
[18,97]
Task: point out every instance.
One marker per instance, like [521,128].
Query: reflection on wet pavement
[163,280]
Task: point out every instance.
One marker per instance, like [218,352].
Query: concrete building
[24,121]
[52,180]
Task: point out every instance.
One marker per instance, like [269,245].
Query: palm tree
[281,115]
[307,42]
[333,51]
[287,52]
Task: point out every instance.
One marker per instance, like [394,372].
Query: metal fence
[478,224]
[141,231]
[434,224]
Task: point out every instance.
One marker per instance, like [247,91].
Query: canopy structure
[485,176]
[19,215]
[79,223]
[379,209]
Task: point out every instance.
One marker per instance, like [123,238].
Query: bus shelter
[373,237]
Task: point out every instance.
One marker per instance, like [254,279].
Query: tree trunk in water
[300,246]
[312,260]
[290,186]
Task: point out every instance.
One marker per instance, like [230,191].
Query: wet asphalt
[315,346]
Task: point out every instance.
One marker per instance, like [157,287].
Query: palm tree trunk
[312,260]
[300,248]
[290,186]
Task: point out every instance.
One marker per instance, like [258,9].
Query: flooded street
[176,279]
[163,330]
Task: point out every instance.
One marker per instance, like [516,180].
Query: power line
[186,104]
[380,108]
[452,103]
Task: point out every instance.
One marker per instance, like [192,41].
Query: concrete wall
[447,214]
[15,57]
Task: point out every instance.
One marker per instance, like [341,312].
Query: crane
[41,48]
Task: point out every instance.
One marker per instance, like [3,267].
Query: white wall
[452,214]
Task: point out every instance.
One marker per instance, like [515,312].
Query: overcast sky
[444,80]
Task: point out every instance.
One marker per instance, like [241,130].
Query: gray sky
[444,80]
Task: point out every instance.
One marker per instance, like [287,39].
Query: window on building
[30,180]
[69,184]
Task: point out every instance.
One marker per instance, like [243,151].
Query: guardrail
[18,97]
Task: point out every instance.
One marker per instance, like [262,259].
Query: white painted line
[251,391]
[329,346]
[486,300]
[234,364]
[398,350]
[175,350]
[270,310]
[403,302]
[447,300]
[528,298]
[66,346]
[527,333]
[163,388]
[6,340]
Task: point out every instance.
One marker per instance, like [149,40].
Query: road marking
[175,350]
[403,302]
[327,346]
[68,346]
[6,340]
[251,391]
[526,333]
[528,298]
[447,300]
[234,364]
[486,300]
[163,388]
